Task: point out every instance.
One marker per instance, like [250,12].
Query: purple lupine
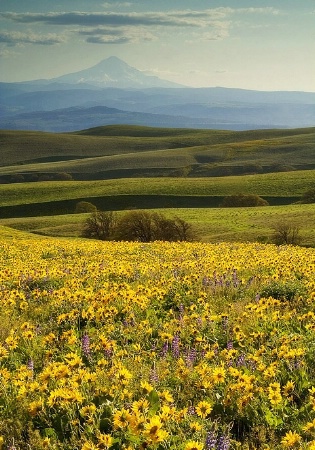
[241,361]
[225,322]
[199,322]
[223,443]
[175,346]
[229,345]
[30,366]
[164,350]
[191,356]
[86,346]
[211,441]
[181,312]
[154,378]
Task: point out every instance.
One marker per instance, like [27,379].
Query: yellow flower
[123,376]
[105,440]
[153,430]
[193,445]
[122,419]
[218,375]
[166,396]
[141,406]
[203,409]
[288,388]
[146,387]
[88,411]
[35,407]
[88,445]
[195,426]
[291,439]
[309,427]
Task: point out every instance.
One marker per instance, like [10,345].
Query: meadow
[190,346]
[131,151]
[163,346]
[209,224]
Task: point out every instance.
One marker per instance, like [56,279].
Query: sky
[249,44]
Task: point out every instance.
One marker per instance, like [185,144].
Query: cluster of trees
[243,200]
[142,226]
[33,177]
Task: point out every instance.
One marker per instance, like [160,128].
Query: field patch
[162,345]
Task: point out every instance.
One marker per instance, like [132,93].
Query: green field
[173,170]
[125,151]
[209,224]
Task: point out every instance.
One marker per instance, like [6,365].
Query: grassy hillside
[285,184]
[210,224]
[121,151]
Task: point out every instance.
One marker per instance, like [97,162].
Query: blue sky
[250,44]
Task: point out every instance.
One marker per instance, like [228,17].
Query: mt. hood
[113,72]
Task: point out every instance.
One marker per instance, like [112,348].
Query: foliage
[120,345]
[308,196]
[280,290]
[100,225]
[286,233]
[85,207]
[244,200]
[142,226]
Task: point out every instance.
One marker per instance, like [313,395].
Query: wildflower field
[189,346]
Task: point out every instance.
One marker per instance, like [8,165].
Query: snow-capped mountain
[113,72]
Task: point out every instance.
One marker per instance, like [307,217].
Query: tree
[135,226]
[101,225]
[142,226]
[62,176]
[286,234]
[308,196]
[85,207]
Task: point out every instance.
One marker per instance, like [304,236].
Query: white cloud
[12,38]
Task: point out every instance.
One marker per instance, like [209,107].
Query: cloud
[106,18]
[16,38]
[116,35]
[115,4]
[176,18]
[101,27]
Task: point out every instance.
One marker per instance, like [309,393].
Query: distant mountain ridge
[127,95]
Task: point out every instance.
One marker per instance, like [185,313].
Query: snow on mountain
[113,72]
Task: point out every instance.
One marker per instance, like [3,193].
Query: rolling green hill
[131,151]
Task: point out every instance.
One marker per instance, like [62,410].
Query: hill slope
[124,151]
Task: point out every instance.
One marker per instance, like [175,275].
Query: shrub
[244,200]
[308,196]
[101,225]
[62,176]
[142,226]
[286,234]
[85,207]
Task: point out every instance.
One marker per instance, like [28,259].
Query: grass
[210,224]
[285,184]
[100,152]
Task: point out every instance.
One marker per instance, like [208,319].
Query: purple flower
[175,346]
[86,346]
[164,349]
[223,443]
[211,441]
[154,378]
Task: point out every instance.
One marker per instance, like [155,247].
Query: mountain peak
[114,72]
